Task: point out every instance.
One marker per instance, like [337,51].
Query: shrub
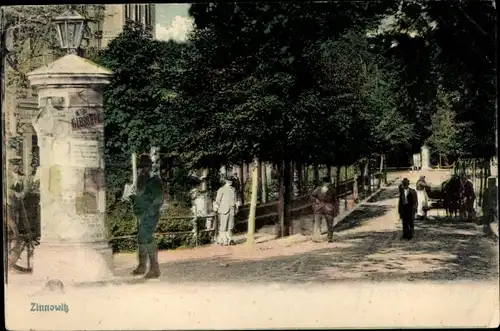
[122,222]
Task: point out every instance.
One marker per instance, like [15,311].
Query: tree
[459,40]
[445,130]
[133,120]
[248,89]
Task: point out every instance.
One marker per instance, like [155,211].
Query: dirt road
[447,276]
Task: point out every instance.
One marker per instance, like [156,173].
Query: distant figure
[147,203]
[226,207]
[469,196]
[407,207]
[324,206]
[422,198]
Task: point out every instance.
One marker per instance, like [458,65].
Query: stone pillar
[70,131]
[27,147]
[425,157]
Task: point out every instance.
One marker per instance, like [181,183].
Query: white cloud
[178,30]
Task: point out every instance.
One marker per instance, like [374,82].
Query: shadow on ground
[442,250]
[364,213]
[385,194]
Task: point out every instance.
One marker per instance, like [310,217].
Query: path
[258,288]
[367,247]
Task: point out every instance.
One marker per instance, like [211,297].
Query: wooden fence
[350,191]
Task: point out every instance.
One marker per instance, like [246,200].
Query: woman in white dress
[422,198]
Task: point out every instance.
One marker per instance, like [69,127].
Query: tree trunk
[305,182]
[287,196]
[366,179]
[346,189]
[316,174]
[253,202]
[474,179]
[355,188]
[337,177]
[280,225]
[259,181]
[265,190]
[329,172]
[481,184]
[300,179]
[242,184]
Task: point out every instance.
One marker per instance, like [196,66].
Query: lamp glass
[70,28]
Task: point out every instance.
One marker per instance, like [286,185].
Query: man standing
[407,207]
[147,203]
[226,207]
[469,196]
[15,195]
[324,206]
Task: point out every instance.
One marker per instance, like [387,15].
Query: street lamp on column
[70,27]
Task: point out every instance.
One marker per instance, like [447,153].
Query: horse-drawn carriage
[455,195]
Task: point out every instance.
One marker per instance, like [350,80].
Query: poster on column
[87,123]
[88,200]
[85,98]
[84,153]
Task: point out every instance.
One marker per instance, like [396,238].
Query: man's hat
[15,160]
[144,161]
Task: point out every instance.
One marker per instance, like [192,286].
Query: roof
[71,64]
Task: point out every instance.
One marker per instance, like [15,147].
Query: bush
[122,222]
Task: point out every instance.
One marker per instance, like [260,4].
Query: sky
[173,21]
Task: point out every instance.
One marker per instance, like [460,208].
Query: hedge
[122,222]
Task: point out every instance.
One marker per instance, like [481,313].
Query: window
[148,15]
[141,14]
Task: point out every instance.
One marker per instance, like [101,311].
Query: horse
[458,197]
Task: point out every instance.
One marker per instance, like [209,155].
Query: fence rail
[268,211]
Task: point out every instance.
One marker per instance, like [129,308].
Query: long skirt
[423,202]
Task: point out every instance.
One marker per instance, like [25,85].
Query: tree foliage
[306,82]
[455,47]
[30,37]
[445,129]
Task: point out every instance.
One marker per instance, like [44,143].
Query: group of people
[415,202]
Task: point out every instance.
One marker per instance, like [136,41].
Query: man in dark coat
[469,196]
[147,203]
[15,194]
[407,207]
[325,202]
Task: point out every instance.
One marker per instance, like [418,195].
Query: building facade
[117,15]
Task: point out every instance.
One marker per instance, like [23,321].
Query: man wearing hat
[15,194]
[226,207]
[325,206]
[147,203]
[469,196]
[407,207]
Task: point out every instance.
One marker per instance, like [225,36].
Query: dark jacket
[409,208]
[325,202]
[149,197]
